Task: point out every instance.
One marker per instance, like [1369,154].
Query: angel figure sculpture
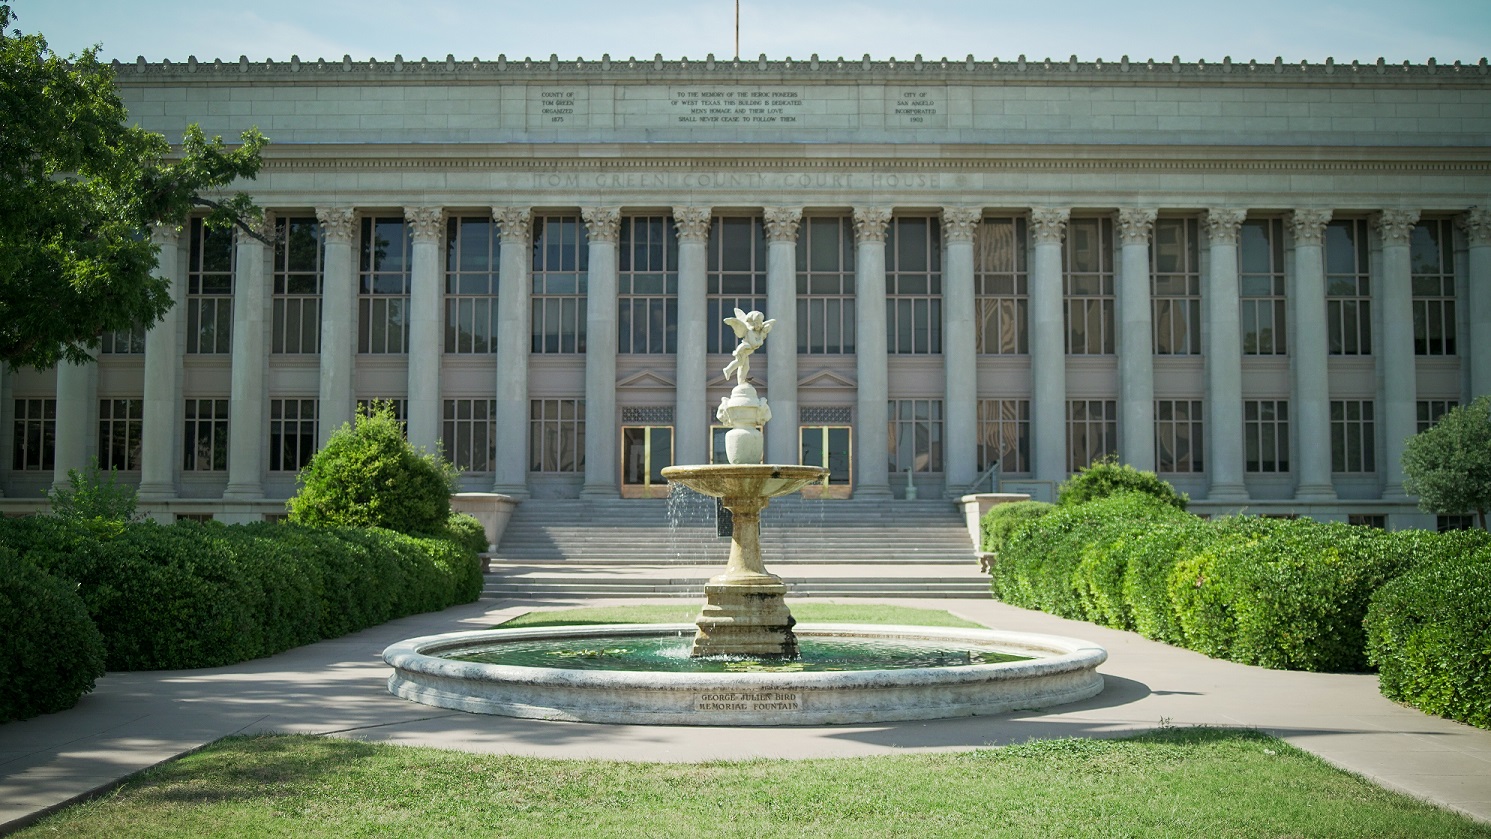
[751,328]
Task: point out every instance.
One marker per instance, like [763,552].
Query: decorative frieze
[1396,225]
[1222,225]
[958,223]
[869,223]
[336,224]
[1048,224]
[515,223]
[425,222]
[1477,225]
[692,223]
[1308,226]
[602,224]
[781,223]
[1135,224]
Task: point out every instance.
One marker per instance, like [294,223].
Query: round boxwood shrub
[368,475]
[1429,635]
[53,653]
[1107,477]
[1002,520]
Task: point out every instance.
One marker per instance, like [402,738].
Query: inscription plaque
[733,702]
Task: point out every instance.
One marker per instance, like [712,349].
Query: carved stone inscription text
[735,106]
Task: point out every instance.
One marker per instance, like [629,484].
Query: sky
[1297,30]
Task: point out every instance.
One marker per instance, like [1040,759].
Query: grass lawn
[1175,782]
[805,612]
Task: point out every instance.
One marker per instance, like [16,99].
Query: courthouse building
[1256,278]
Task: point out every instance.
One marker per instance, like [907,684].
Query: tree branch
[237,220]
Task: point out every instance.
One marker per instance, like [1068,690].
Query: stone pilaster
[514,292]
[338,320]
[781,304]
[691,411]
[1224,432]
[426,335]
[1136,433]
[77,413]
[602,458]
[159,455]
[1310,358]
[872,461]
[1047,346]
[959,350]
[248,405]
[1396,365]
[1477,227]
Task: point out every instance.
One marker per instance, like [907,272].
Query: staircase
[668,548]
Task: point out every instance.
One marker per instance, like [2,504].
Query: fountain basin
[744,480]
[1062,670]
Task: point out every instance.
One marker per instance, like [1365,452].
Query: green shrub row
[1001,522]
[202,595]
[51,652]
[1281,594]
[1429,635]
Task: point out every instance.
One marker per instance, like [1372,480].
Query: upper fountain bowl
[745,480]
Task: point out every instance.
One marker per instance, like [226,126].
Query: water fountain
[743,665]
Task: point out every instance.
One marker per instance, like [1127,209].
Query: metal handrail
[992,473]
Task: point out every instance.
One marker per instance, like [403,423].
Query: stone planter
[974,507]
[490,508]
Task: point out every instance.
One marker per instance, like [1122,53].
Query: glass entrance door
[828,446]
[645,450]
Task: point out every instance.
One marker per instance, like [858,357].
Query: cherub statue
[751,328]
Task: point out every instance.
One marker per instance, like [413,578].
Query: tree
[368,475]
[1448,465]
[79,192]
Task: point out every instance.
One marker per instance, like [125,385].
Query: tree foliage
[1107,476]
[79,192]
[1448,465]
[368,475]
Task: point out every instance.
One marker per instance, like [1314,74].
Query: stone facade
[1258,278]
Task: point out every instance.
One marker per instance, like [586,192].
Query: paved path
[135,720]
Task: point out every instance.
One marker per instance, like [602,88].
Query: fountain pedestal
[744,611]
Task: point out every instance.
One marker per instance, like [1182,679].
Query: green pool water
[670,654]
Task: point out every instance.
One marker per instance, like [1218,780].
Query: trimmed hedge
[1002,520]
[204,594]
[1109,477]
[52,653]
[1280,594]
[1429,635]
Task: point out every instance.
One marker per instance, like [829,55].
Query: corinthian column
[781,304]
[338,321]
[514,291]
[1047,347]
[602,461]
[158,452]
[1477,227]
[1135,341]
[1310,359]
[691,410]
[959,352]
[872,400]
[426,296]
[1395,359]
[1224,436]
[247,407]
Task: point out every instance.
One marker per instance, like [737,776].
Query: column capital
[1476,223]
[1222,225]
[515,224]
[692,223]
[602,224]
[1308,226]
[1049,224]
[869,223]
[336,224]
[425,222]
[781,223]
[262,233]
[1135,224]
[958,223]
[165,234]
[1395,225]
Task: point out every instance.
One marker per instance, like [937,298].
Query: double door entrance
[646,449]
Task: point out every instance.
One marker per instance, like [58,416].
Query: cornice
[838,70]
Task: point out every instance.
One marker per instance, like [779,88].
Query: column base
[156,492]
[518,491]
[243,493]
[882,493]
[1228,493]
[600,492]
[1315,492]
[1395,492]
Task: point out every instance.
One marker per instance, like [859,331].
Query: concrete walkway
[135,720]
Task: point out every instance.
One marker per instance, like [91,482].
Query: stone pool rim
[1065,671]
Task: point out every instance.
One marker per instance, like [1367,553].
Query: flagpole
[737,30]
